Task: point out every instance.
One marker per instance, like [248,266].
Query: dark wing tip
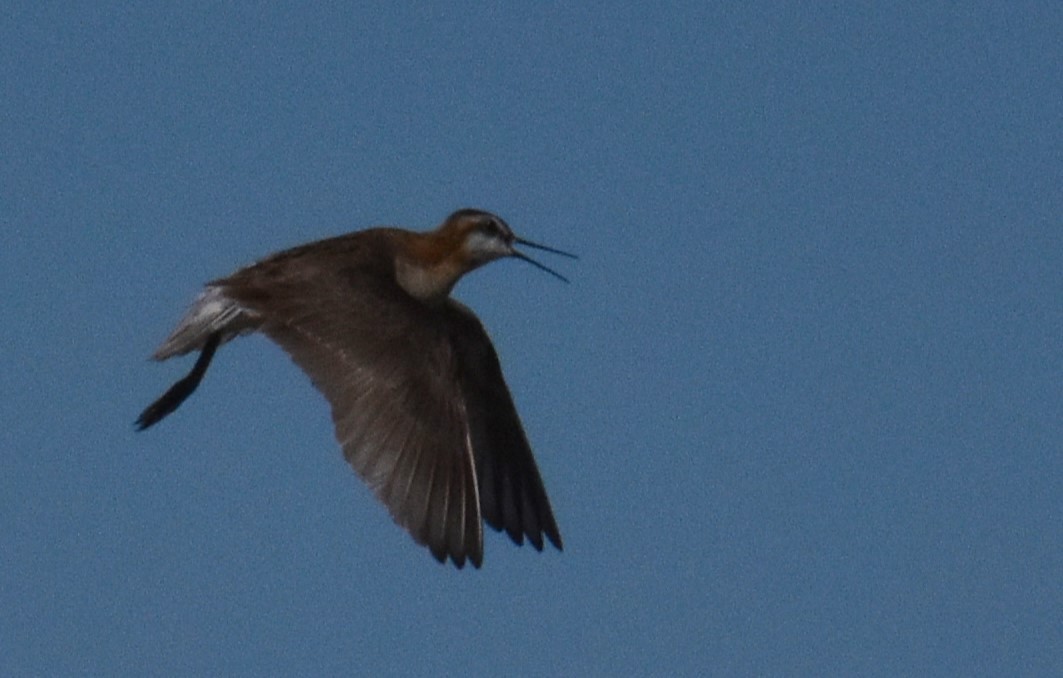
[536,539]
[438,553]
[554,536]
[458,559]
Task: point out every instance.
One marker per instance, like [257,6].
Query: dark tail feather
[177,393]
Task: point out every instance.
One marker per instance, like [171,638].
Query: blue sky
[799,411]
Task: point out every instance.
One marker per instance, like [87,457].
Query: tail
[212,313]
[177,393]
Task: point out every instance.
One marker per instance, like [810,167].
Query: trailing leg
[177,393]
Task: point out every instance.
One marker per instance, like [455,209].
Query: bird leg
[177,393]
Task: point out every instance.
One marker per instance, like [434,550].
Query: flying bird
[418,400]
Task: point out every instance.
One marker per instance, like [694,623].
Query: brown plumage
[418,400]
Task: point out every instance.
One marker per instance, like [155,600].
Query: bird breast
[431,284]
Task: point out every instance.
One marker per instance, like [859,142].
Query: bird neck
[428,265]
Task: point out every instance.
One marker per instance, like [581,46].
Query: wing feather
[512,496]
[418,400]
[385,364]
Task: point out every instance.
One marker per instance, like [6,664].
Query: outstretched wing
[512,496]
[387,366]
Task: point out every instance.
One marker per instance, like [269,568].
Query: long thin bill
[529,243]
[536,264]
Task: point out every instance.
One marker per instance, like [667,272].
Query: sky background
[800,411]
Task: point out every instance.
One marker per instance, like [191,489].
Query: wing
[386,365]
[512,496]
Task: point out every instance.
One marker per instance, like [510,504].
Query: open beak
[536,264]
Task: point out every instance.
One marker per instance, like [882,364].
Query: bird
[419,404]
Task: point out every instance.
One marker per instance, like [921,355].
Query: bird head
[485,237]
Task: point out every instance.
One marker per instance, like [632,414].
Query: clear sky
[800,411]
